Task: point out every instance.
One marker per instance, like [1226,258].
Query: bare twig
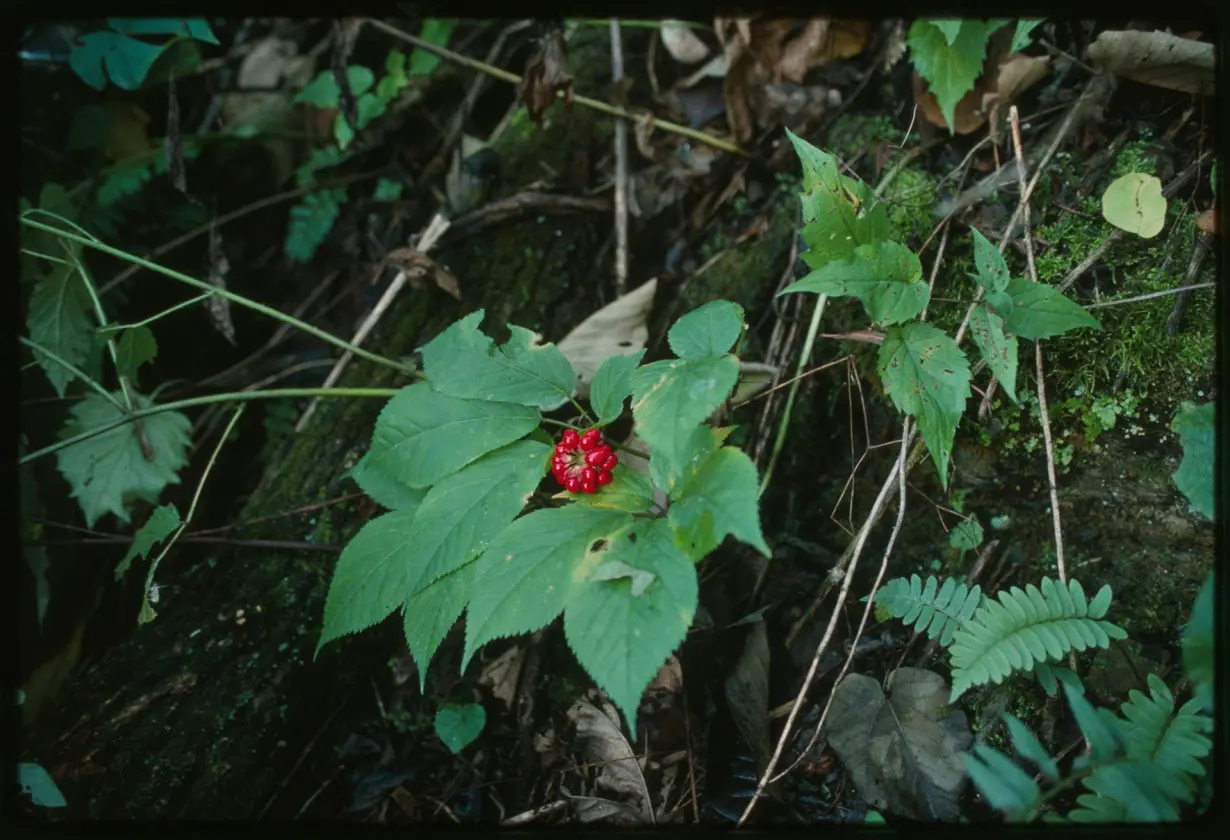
[1178,290]
[621,168]
[1193,270]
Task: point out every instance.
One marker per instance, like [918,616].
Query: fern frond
[1174,741]
[1020,628]
[1125,792]
[937,613]
[310,222]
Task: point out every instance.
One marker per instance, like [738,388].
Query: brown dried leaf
[1156,58]
[219,307]
[501,674]
[127,131]
[682,43]
[617,329]
[1207,221]
[619,776]
[972,110]
[545,75]
[418,265]
[1016,75]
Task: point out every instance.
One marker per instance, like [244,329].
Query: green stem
[224,293]
[74,370]
[272,394]
[779,441]
[642,24]
[151,319]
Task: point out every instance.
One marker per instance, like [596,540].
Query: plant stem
[224,293]
[272,394]
[73,369]
[151,319]
[779,441]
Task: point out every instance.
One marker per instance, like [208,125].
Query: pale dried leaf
[894,48]
[682,43]
[714,68]
[747,692]
[546,75]
[619,772]
[591,809]
[669,679]
[904,751]
[1018,74]
[617,329]
[501,674]
[1156,58]
[257,101]
[804,51]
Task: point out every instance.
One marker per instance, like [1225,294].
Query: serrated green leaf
[722,498]
[137,346]
[422,435]
[323,91]
[196,28]
[708,330]
[431,614]
[885,276]
[1041,311]
[462,362]
[372,577]
[160,525]
[384,486]
[621,636]
[107,472]
[1000,303]
[1198,644]
[671,398]
[434,31]
[999,349]
[58,319]
[458,725]
[1134,202]
[950,28]
[1194,477]
[927,376]
[612,385]
[395,76]
[967,535]
[669,474]
[992,272]
[531,571]
[1020,36]
[127,60]
[37,783]
[629,491]
[949,70]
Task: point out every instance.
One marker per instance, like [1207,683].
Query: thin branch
[1178,290]
[621,168]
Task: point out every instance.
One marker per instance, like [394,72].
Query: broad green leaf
[927,376]
[457,725]
[1194,477]
[998,349]
[1134,202]
[136,347]
[967,535]
[423,435]
[109,471]
[37,783]
[612,385]
[709,330]
[127,60]
[671,398]
[323,91]
[885,276]
[629,491]
[1198,644]
[950,71]
[58,319]
[1041,311]
[1028,746]
[196,28]
[950,28]
[992,272]
[722,498]
[531,571]
[462,362]
[384,486]
[671,473]
[839,213]
[622,636]
[431,613]
[160,525]
[464,512]
[1020,35]
[372,577]
[395,77]
[55,201]
[435,31]
[1000,302]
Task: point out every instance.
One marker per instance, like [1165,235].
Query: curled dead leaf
[545,75]
[619,778]
[501,674]
[1156,58]
[684,45]
[617,329]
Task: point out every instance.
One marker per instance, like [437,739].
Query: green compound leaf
[458,725]
[127,60]
[196,28]
[423,435]
[709,330]
[431,613]
[160,525]
[1028,746]
[1135,203]
[532,570]
[384,486]
[1020,35]
[671,398]
[967,535]
[612,385]
[462,362]
[109,471]
[311,220]
[136,347]
[885,276]
[372,578]
[395,76]
[1194,477]
[999,349]
[671,473]
[1041,311]
[629,491]
[435,31]
[632,612]
[949,70]
[58,318]
[1198,645]
[992,272]
[323,91]
[927,376]
[1004,785]
[839,213]
[722,498]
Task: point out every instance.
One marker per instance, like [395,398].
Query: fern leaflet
[310,222]
[938,614]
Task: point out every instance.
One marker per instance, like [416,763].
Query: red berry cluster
[583,463]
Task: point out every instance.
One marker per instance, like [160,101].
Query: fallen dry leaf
[617,329]
[684,45]
[418,265]
[619,776]
[127,131]
[1156,58]
[545,75]
[219,307]
[256,100]
[1018,74]
[501,674]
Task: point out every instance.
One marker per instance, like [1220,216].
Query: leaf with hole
[998,348]
[1134,202]
[885,276]
[992,272]
[1041,311]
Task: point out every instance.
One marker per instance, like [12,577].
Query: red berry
[562,449]
[604,478]
[590,439]
[595,457]
[571,438]
[573,484]
[589,474]
[610,463]
[589,486]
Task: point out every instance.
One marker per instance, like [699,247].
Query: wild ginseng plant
[476,525]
